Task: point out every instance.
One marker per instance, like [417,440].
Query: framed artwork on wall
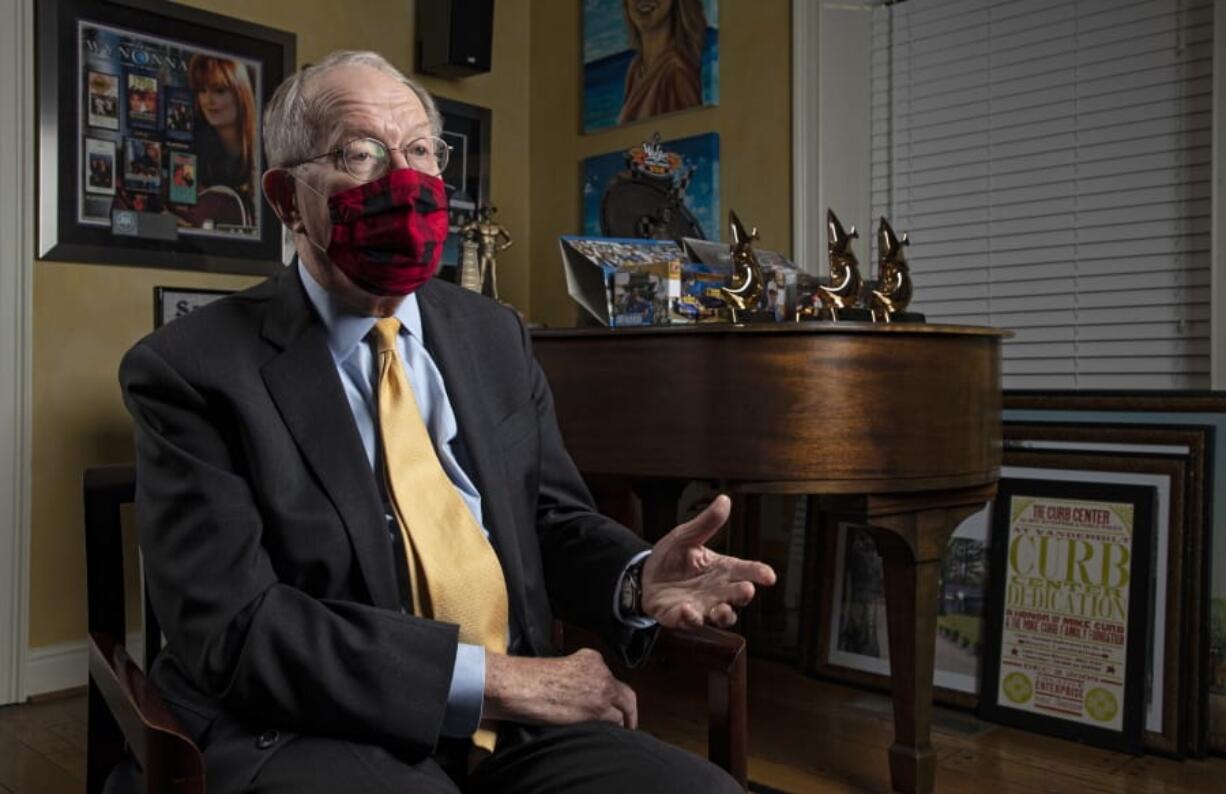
[149,138]
[641,61]
[658,189]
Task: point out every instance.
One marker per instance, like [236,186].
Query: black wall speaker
[454,37]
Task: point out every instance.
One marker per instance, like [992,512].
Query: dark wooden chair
[128,716]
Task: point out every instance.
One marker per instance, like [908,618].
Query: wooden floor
[805,736]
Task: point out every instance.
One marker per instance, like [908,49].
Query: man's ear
[279,189]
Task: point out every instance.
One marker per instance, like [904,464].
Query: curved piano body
[895,426]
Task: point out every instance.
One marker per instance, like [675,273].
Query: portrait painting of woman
[646,58]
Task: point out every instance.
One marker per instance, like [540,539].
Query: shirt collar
[346,327]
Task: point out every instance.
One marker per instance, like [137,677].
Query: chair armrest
[169,757]
[709,648]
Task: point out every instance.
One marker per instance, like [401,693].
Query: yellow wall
[753,119]
[86,316]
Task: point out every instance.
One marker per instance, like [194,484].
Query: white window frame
[16,338]
[809,84]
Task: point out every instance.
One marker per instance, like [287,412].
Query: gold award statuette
[892,292]
[746,289]
[843,292]
[491,239]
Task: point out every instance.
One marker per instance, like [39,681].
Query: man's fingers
[681,616]
[627,702]
[699,529]
[738,594]
[723,615]
[751,571]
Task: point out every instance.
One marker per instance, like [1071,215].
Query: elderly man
[357,516]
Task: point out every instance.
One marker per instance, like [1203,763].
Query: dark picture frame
[466,128]
[1042,638]
[118,71]
[171,303]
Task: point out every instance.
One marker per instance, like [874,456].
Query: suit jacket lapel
[447,339]
[304,384]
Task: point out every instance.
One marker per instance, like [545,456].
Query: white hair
[296,126]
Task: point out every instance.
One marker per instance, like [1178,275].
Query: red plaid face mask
[387,235]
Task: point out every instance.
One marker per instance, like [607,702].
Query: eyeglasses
[368,159]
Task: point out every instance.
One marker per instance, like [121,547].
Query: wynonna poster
[161,105]
[1069,611]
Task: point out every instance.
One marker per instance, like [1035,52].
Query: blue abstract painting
[699,160]
[645,58]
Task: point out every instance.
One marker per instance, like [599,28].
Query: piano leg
[911,533]
[911,611]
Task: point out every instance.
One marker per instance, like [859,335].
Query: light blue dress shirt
[357,364]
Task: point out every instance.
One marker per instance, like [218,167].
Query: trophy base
[904,317]
[753,317]
[849,315]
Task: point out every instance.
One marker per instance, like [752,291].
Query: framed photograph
[622,84]
[467,178]
[1068,608]
[171,303]
[160,83]
[852,641]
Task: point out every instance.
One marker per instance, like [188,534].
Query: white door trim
[17,122]
[806,200]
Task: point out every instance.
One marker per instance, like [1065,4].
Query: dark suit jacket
[266,551]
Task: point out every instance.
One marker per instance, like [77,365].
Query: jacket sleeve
[584,553]
[265,649]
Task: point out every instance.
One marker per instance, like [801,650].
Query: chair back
[126,714]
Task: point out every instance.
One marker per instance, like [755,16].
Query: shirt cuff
[633,621]
[467,695]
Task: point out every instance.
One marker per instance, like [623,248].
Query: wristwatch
[630,599]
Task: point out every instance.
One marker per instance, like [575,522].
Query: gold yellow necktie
[454,574]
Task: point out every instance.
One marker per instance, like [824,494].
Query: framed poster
[466,128]
[149,135]
[1067,613]
[642,60]
[1181,666]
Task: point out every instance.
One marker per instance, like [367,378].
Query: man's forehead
[363,99]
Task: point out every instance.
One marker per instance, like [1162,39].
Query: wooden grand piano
[896,427]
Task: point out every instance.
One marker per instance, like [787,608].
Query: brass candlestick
[843,292]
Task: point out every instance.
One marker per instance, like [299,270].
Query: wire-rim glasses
[368,159]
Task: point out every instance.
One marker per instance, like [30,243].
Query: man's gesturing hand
[561,691]
[685,584]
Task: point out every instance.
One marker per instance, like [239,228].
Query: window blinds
[1050,160]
